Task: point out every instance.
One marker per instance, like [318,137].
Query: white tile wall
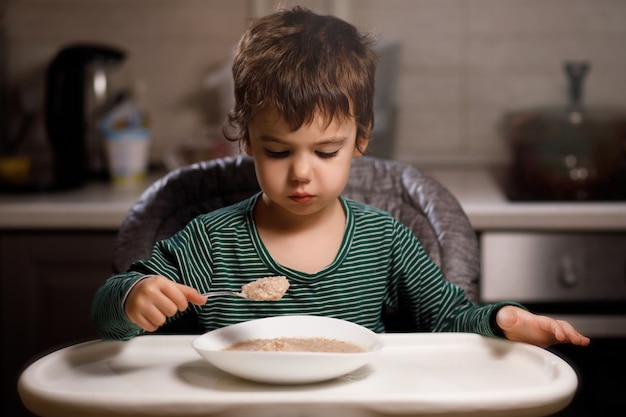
[464,62]
[497,55]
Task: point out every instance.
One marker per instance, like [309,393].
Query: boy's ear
[246,145]
[360,146]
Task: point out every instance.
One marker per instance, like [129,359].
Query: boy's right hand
[153,299]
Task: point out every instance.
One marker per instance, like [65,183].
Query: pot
[568,153]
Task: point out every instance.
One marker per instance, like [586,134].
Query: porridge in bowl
[297,344]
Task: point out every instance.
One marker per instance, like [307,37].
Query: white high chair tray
[441,374]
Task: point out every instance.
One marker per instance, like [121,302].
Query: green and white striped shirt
[380,262]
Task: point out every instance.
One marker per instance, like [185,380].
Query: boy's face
[302,171]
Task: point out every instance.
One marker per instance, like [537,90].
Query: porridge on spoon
[265,289]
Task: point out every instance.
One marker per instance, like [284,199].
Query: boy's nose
[301,169]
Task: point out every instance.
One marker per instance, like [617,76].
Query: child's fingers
[192,295]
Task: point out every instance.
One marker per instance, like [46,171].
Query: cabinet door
[48,281]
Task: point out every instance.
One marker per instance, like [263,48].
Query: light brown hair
[301,63]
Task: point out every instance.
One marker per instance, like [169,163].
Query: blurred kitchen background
[450,71]
[462,63]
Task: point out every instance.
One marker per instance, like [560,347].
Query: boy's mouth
[301,198]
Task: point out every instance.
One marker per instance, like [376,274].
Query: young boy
[304,88]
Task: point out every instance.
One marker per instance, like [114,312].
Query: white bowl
[288,367]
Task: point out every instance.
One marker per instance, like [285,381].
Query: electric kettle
[79,87]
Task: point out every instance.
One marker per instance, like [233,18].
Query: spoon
[223,293]
[262,289]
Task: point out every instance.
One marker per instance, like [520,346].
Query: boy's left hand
[523,326]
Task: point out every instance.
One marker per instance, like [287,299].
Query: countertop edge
[101,206]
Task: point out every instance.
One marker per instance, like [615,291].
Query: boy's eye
[326,155]
[276,154]
[284,154]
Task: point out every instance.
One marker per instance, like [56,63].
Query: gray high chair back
[413,197]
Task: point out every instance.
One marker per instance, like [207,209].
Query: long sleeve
[437,305]
[167,256]
[107,311]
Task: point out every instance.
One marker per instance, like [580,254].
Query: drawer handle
[567,272]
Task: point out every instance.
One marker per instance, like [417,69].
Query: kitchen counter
[99,206]
[488,208]
[95,206]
